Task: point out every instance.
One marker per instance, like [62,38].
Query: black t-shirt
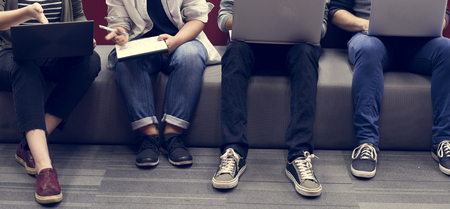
[161,23]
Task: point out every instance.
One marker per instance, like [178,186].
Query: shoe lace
[149,143]
[228,163]
[366,151]
[177,143]
[305,167]
[444,148]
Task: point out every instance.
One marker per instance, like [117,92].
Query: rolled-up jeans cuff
[144,122]
[175,121]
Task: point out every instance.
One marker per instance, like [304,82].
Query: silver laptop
[278,21]
[413,18]
[65,39]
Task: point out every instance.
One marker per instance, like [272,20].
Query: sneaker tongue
[446,148]
[365,153]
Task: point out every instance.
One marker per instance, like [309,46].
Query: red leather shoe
[47,187]
[25,158]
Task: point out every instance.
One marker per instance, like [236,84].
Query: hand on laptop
[118,38]
[35,11]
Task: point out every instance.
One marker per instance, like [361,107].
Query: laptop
[278,21]
[412,18]
[53,40]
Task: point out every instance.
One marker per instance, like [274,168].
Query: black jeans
[26,80]
[238,62]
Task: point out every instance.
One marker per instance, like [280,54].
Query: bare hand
[118,38]
[35,11]
[171,42]
[365,25]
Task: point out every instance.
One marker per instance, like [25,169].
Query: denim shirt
[226,12]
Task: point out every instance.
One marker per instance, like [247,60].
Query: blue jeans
[26,80]
[371,56]
[239,61]
[185,65]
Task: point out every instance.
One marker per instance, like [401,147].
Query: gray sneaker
[232,166]
[441,153]
[300,172]
[364,163]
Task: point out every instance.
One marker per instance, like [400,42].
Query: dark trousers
[238,62]
[26,80]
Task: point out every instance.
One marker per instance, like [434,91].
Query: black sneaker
[300,172]
[364,163]
[149,150]
[441,153]
[232,166]
[176,150]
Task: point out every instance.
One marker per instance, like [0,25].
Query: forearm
[350,22]
[225,14]
[229,24]
[189,31]
[13,17]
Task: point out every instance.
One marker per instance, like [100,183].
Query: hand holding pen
[118,34]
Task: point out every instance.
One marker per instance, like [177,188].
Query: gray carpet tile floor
[105,176]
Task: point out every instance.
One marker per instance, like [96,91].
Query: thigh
[61,69]
[6,66]
[137,67]
[11,71]
[191,55]
[429,55]
[364,48]
[270,56]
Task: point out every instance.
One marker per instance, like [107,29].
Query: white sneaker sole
[228,184]
[363,174]
[442,168]
[48,199]
[303,190]
[147,164]
[188,162]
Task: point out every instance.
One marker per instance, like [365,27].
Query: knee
[238,59]
[190,56]
[442,46]
[304,49]
[94,63]
[26,71]
[302,52]
[237,47]
[90,66]
[366,45]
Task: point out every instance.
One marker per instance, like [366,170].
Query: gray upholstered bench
[405,122]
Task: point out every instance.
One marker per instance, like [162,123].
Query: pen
[112,29]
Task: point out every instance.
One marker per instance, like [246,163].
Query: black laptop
[53,40]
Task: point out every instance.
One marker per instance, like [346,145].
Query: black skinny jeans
[238,62]
[26,80]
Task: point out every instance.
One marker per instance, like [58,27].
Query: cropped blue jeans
[371,56]
[185,67]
